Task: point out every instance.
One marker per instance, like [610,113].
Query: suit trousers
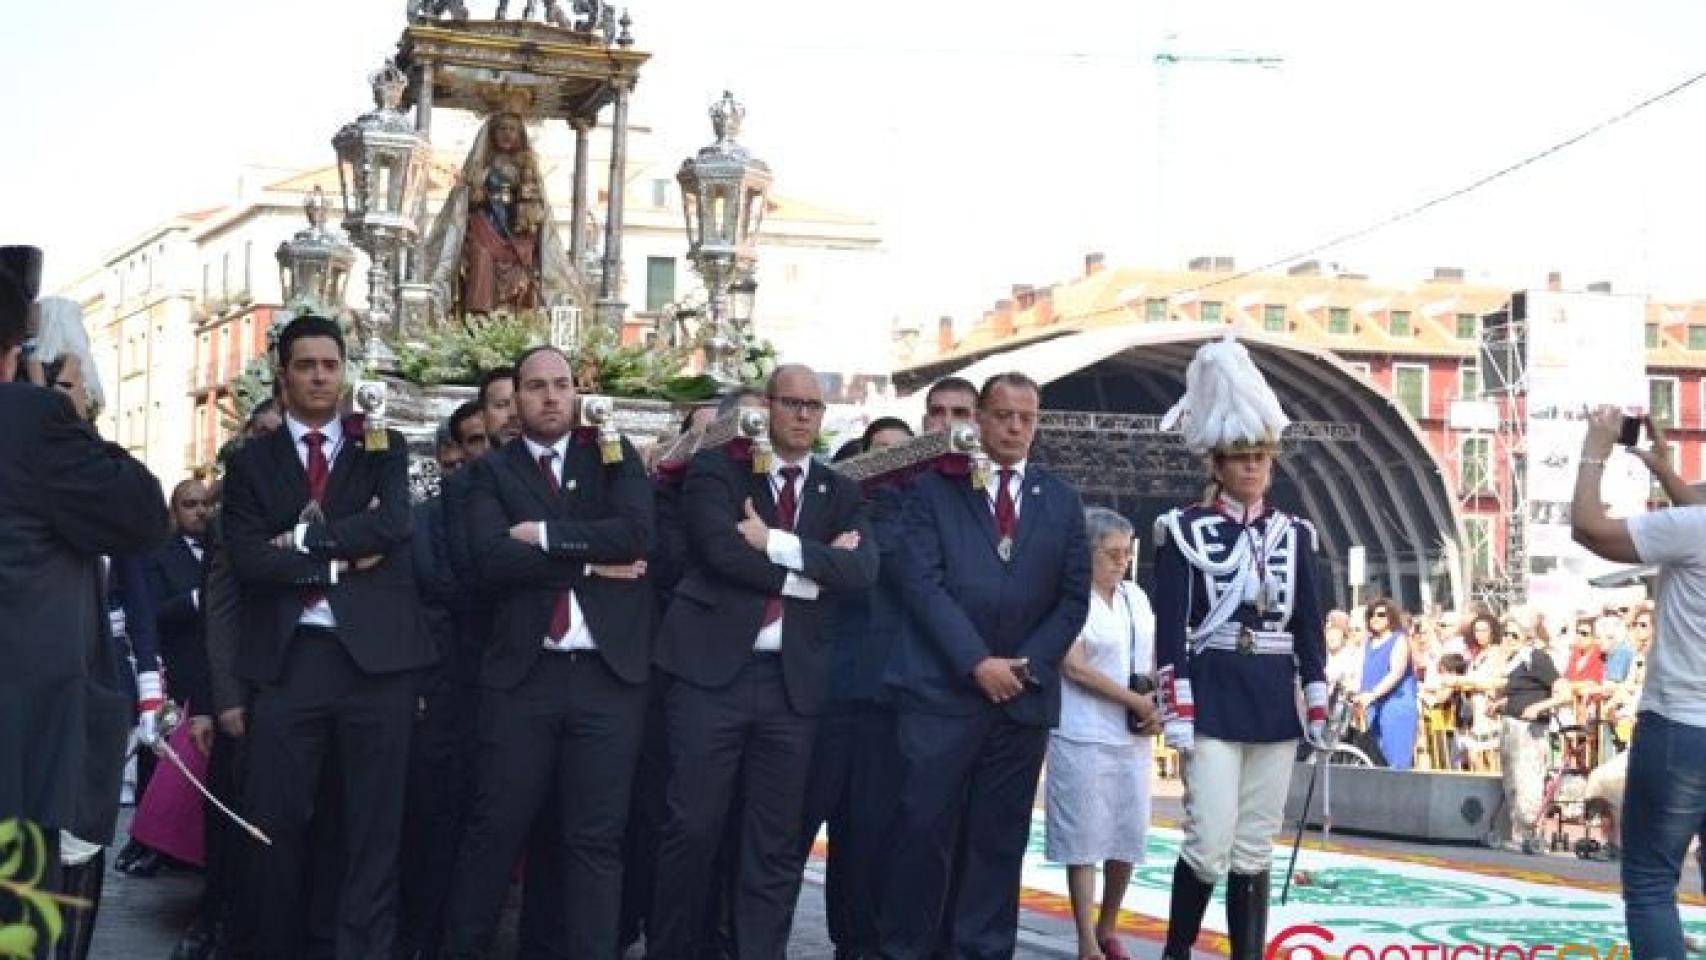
[222,891]
[852,790]
[440,793]
[746,730]
[966,781]
[324,712]
[570,730]
[645,817]
[1234,804]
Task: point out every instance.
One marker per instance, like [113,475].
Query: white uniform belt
[1241,639]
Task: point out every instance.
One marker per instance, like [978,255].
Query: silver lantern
[723,193]
[314,265]
[382,168]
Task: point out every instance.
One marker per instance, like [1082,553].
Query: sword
[169,719]
[1338,719]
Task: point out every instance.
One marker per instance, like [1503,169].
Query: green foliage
[459,352]
[23,862]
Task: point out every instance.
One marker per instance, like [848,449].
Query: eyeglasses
[797,406]
[1378,615]
[1116,553]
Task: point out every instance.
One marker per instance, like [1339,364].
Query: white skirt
[1096,798]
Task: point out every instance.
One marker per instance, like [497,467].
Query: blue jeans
[1664,806]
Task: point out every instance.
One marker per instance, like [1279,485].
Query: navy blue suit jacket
[966,603]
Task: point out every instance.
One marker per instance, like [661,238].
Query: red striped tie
[787,506]
[561,621]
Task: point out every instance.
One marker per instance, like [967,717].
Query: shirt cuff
[544,543]
[195,597]
[300,538]
[798,587]
[783,548]
[332,571]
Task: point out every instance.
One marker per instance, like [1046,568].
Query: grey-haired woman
[1097,791]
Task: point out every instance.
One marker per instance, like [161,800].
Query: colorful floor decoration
[1357,898]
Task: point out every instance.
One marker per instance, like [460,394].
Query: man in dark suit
[441,752]
[318,526]
[66,497]
[556,534]
[997,582]
[175,573]
[746,644]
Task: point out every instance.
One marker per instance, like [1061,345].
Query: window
[1155,310]
[1468,326]
[1655,489]
[1210,311]
[660,282]
[1273,318]
[1410,388]
[660,193]
[1661,400]
[1652,336]
[248,268]
[1478,546]
[206,277]
[1339,321]
[1399,324]
[1468,382]
[1475,466]
[1697,338]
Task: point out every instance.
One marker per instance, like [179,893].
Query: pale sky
[994,141]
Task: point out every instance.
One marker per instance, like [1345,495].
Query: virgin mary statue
[495,245]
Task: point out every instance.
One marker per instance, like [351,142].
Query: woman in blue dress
[1388,690]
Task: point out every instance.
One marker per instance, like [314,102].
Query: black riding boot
[1247,914]
[84,883]
[1184,917]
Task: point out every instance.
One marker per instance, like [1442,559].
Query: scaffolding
[1498,579]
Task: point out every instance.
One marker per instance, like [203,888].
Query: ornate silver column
[610,305]
[577,236]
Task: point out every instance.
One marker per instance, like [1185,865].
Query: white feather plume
[1227,401]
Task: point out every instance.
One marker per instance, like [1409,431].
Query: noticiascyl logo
[1298,942]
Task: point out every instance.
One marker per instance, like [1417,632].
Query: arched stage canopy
[1353,463]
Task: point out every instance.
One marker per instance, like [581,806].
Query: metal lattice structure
[1503,360]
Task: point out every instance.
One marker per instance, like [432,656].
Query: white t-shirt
[1110,633]
[1675,539]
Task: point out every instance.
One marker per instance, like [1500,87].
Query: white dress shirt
[1015,486]
[783,549]
[580,635]
[195,551]
[320,614]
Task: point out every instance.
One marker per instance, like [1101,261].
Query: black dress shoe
[129,855]
[197,944]
[146,866]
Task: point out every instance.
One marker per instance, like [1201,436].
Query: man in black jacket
[745,642]
[318,526]
[556,535]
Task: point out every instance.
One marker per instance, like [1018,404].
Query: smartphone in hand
[1630,435]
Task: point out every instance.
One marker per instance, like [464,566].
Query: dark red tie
[561,621]
[318,473]
[786,509]
[1006,518]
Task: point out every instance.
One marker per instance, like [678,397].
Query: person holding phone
[1238,627]
[1664,804]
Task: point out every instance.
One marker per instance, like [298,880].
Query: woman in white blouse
[1097,790]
